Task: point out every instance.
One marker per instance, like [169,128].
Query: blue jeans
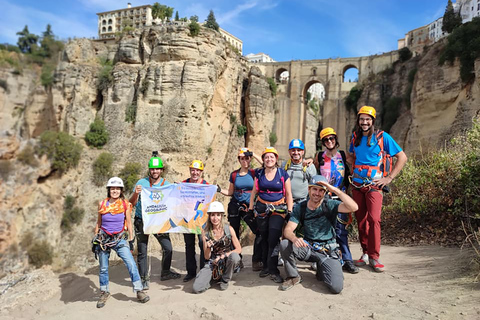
[123,251]
[342,237]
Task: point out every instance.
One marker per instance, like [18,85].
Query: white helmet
[216,206]
[115,182]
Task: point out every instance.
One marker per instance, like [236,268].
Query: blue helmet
[296,144]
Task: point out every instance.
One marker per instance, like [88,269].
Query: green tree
[194,28]
[98,135]
[451,19]
[102,168]
[211,22]
[130,175]
[404,54]
[27,42]
[194,18]
[61,148]
[161,11]
[177,17]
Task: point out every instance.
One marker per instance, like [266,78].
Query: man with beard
[372,172]
[154,180]
[317,218]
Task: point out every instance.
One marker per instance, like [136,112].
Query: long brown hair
[209,225]
[359,132]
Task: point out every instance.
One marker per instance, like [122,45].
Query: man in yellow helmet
[196,171]
[372,172]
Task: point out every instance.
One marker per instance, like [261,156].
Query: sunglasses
[328,139]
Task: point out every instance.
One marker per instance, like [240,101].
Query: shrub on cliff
[404,54]
[72,214]
[40,253]
[105,76]
[273,86]
[102,168]
[130,175]
[194,28]
[352,99]
[98,135]
[61,148]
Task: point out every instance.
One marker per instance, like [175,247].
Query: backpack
[320,161]
[236,172]
[261,172]
[385,164]
[303,210]
[306,175]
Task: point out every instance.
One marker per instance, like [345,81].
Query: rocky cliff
[188,94]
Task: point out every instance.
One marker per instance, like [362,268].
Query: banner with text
[178,207]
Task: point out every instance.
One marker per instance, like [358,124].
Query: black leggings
[270,229]
[235,216]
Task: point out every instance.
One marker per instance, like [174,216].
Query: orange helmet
[367,110]
[270,150]
[242,152]
[326,132]
[197,164]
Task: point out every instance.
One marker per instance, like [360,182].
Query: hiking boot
[103,299]
[169,275]
[362,261]
[290,282]
[188,277]
[376,265]
[223,286]
[264,273]
[257,266]
[145,284]
[142,296]
[276,278]
[350,267]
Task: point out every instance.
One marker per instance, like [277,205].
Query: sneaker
[264,273]
[376,265]
[169,275]
[188,277]
[142,296]
[257,266]
[313,266]
[362,261]
[280,262]
[103,299]
[223,285]
[276,278]
[146,284]
[290,282]
[350,267]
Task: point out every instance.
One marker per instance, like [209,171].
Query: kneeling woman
[114,217]
[222,250]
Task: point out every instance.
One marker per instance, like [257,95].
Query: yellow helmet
[270,150]
[368,110]
[326,132]
[197,164]
[244,152]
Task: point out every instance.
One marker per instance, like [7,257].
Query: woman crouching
[222,250]
[114,226]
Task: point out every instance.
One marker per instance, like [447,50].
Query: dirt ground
[426,282]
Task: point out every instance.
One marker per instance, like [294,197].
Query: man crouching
[310,235]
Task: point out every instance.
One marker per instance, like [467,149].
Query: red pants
[369,203]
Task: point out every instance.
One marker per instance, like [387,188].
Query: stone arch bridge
[293,120]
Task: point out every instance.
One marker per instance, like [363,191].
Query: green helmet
[155,163]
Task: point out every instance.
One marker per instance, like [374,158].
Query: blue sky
[284,29]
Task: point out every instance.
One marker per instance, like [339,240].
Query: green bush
[241,130]
[131,113]
[98,135]
[61,148]
[27,156]
[404,54]
[40,253]
[273,86]
[105,76]
[194,28]
[71,215]
[102,168]
[130,175]
[46,78]
[436,192]
[4,84]
[464,44]
[352,99]
[273,138]
[233,118]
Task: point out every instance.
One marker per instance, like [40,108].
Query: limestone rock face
[189,95]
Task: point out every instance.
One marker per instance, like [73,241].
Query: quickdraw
[218,269]
[106,241]
[346,223]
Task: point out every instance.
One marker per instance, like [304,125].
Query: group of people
[298,210]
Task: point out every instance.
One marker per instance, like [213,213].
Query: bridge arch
[282,75]
[350,73]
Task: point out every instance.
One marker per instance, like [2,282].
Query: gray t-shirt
[299,178]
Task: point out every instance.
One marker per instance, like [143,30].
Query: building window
[110,29]
[104,22]
[109,21]
[103,29]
